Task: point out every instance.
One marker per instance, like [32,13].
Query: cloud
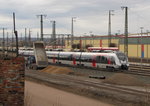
[91,15]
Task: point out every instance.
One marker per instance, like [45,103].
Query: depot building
[138,46]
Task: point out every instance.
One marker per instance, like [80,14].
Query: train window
[121,56]
[70,58]
[89,60]
[104,60]
[101,59]
[83,58]
[86,58]
[63,57]
[50,56]
[98,59]
[77,57]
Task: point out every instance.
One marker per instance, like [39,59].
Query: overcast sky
[92,15]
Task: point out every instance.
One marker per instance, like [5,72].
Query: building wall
[134,47]
[104,43]
[12,75]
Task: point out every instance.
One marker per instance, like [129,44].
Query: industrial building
[138,46]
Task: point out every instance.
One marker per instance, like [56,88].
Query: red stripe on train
[94,63]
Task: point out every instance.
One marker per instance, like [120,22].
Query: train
[114,60]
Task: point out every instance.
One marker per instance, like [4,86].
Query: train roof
[79,53]
[103,48]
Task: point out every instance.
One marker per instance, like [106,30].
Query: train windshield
[121,56]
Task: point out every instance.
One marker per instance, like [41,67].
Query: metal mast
[3,43]
[142,47]
[41,20]
[25,43]
[29,37]
[126,31]
[109,27]
[72,30]
[53,38]
[7,41]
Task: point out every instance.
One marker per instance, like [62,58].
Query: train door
[65,58]
[86,60]
[101,61]
[77,59]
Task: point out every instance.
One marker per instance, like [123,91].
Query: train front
[123,60]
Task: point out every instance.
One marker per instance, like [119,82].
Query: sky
[91,16]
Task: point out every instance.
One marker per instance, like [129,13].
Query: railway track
[76,81]
[134,69]
[139,69]
[102,85]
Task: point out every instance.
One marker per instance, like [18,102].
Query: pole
[37,35]
[12,42]
[41,27]
[7,41]
[67,40]
[90,37]
[21,37]
[25,43]
[85,41]
[126,31]
[29,38]
[72,31]
[53,34]
[41,20]
[147,46]
[62,41]
[16,34]
[3,43]
[109,27]
[119,39]
[137,47]
[80,44]
[142,52]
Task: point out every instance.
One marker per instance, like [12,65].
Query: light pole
[142,47]
[109,27]
[72,30]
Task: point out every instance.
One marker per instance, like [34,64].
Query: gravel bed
[86,72]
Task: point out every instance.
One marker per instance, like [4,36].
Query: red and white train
[113,60]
